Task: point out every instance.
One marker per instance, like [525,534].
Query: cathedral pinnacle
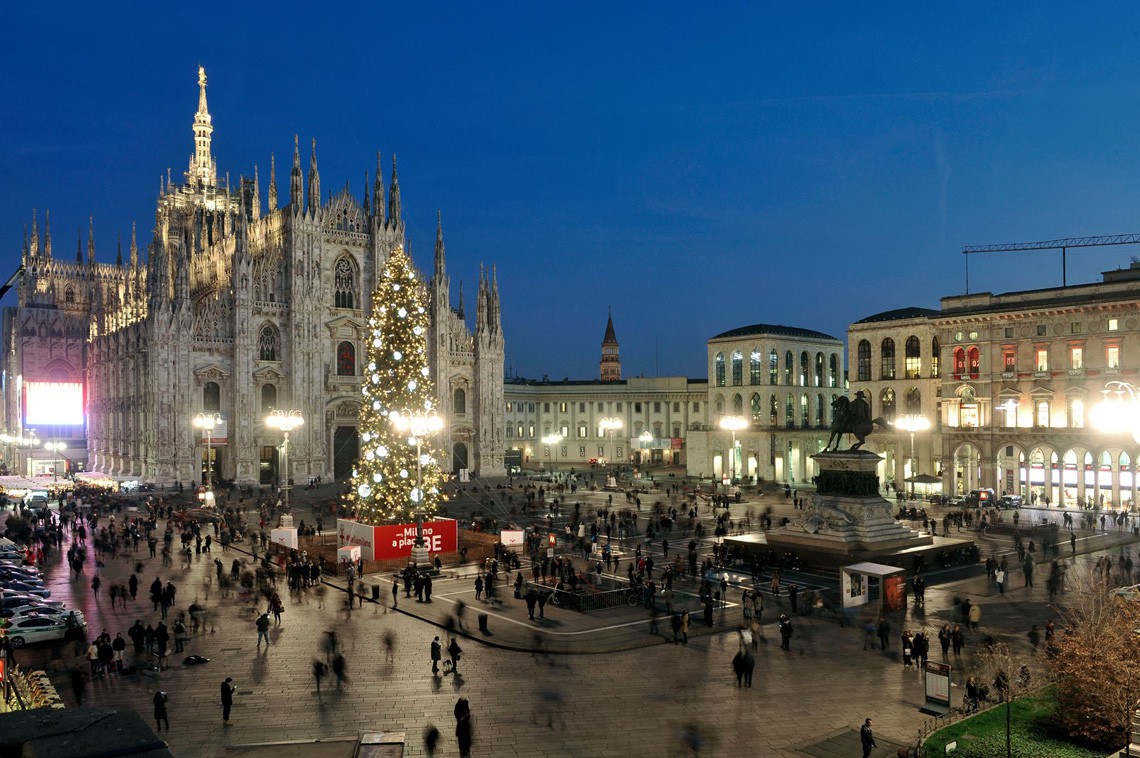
[134,246]
[314,179]
[202,170]
[119,252]
[440,251]
[272,183]
[378,190]
[47,234]
[35,249]
[394,210]
[296,192]
[91,241]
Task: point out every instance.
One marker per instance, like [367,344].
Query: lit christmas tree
[398,415]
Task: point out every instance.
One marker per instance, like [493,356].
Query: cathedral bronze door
[346,449]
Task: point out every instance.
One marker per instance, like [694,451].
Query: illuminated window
[737,368]
[959,361]
[719,368]
[1077,413]
[563,408]
[819,369]
[805,417]
[756,405]
[804,369]
[913,366]
[973,356]
[888,359]
[790,410]
[833,371]
[583,431]
[1076,357]
[935,359]
[1041,413]
[1042,359]
[773,411]
[1009,360]
[346,360]
[820,412]
[1113,325]
[1112,356]
[789,367]
[754,367]
[773,368]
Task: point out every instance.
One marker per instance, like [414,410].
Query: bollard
[376,592]
[483,623]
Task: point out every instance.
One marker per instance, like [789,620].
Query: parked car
[1009,501]
[46,611]
[956,501]
[11,567]
[981,498]
[27,631]
[18,599]
[28,588]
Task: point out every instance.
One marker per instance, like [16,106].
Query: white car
[46,611]
[27,631]
[18,599]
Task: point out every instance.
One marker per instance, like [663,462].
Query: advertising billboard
[354,533]
[440,536]
[54,404]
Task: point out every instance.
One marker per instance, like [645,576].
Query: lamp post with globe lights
[646,440]
[912,422]
[55,448]
[550,441]
[207,422]
[417,426]
[733,424]
[285,422]
[609,425]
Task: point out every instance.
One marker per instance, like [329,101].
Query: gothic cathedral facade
[237,312]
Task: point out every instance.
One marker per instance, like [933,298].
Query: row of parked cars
[27,613]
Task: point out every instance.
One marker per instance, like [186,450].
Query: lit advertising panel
[53,404]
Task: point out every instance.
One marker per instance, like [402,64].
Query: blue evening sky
[697,167]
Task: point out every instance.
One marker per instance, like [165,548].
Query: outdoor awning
[924,479]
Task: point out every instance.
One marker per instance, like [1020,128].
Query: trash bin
[483,623]
[376,592]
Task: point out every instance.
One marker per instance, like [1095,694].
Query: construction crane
[1059,244]
[11,280]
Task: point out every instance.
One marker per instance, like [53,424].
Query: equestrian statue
[852,417]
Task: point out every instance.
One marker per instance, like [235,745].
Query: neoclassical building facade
[240,309]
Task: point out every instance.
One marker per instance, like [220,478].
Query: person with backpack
[262,624]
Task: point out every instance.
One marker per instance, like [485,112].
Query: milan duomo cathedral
[240,309]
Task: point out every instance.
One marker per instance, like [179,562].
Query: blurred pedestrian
[160,716]
[319,671]
[228,690]
[339,671]
[463,726]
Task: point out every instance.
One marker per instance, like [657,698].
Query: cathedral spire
[378,190]
[35,249]
[134,246]
[255,201]
[79,247]
[496,318]
[394,211]
[202,170]
[272,183]
[314,179]
[459,311]
[367,203]
[440,251]
[296,193]
[47,234]
[119,252]
[25,248]
[91,241]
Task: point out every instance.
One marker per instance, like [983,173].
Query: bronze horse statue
[852,417]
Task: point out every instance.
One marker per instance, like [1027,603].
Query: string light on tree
[397,388]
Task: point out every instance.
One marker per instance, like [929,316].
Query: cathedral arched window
[346,359]
[459,404]
[344,282]
[211,397]
[69,295]
[267,344]
[268,397]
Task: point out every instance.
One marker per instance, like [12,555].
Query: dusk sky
[695,167]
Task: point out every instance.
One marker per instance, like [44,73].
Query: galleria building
[239,309]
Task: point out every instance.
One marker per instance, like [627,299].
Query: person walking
[160,716]
[463,726]
[228,690]
[884,632]
[339,669]
[867,738]
[436,655]
[319,671]
[785,632]
[793,597]
[999,577]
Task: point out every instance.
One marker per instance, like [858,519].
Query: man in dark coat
[228,689]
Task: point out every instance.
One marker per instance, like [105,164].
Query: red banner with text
[396,541]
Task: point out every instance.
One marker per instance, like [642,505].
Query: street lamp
[733,424]
[285,421]
[912,422]
[418,426]
[646,440]
[55,448]
[206,422]
[550,441]
[609,425]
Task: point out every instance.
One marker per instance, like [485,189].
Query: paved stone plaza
[646,699]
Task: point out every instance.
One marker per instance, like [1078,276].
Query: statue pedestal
[847,516]
[421,558]
[285,534]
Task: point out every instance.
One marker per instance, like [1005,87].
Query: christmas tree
[398,414]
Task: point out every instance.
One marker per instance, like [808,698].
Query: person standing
[436,655]
[228,689]
[160,716]
[867,738]
[793,596]
[263,630]
[999,577]
[785,632]
[884,632]
[463,726]
[453,651]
